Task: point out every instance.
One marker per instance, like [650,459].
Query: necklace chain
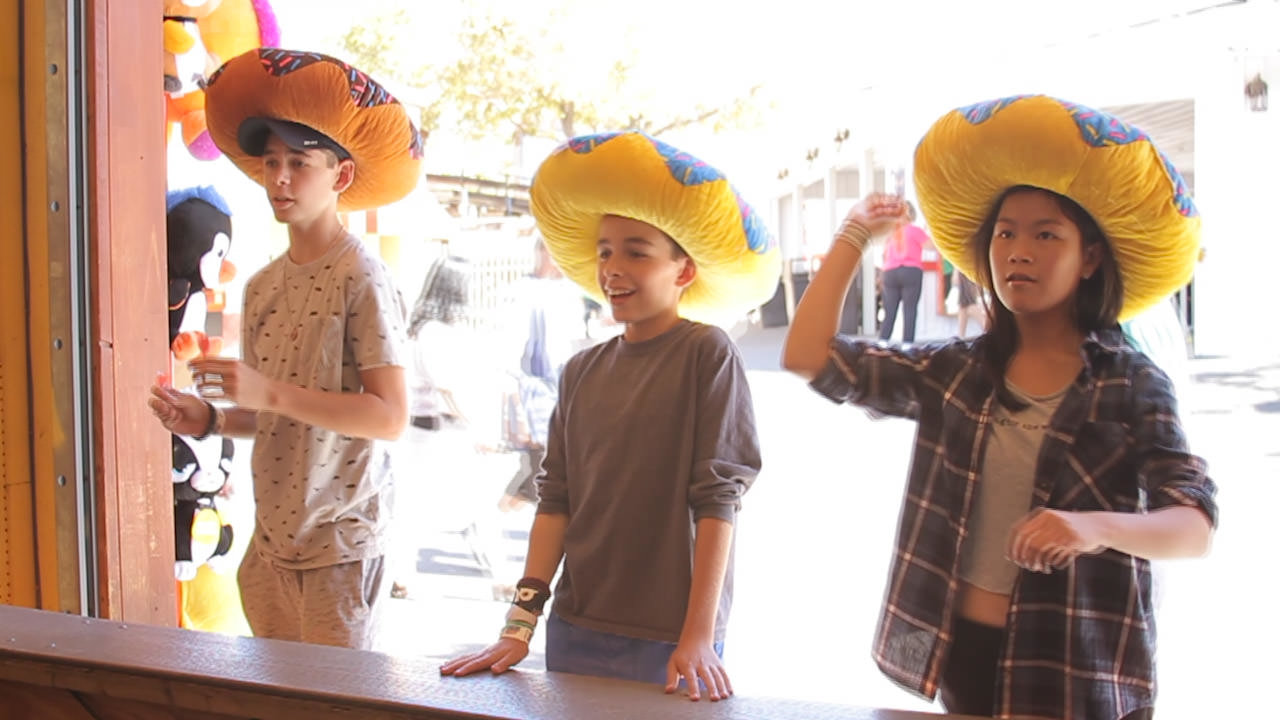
[306,301]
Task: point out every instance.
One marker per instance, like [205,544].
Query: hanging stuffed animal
[237,26]
[201,533]
[186,66]
[199,35]
[198,229]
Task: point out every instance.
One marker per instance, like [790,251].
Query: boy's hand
[498,658]
[694,661]
[180,413]
[228,379]
[1045,539]
[878,213]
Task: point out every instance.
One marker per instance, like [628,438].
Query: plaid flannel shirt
[1080,642]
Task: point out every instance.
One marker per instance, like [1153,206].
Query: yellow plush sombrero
[635,176]
[1112,169]
[329,96]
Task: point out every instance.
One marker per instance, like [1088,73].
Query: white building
[1181,77]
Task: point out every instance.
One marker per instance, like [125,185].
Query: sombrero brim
[1111,169]
[326,94]
[633,175]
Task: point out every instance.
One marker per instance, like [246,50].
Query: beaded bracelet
[854,233]
[520,624]
[517,630]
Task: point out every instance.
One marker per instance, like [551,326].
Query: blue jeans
[575,649]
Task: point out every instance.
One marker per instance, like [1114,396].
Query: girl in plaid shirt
[1050,466]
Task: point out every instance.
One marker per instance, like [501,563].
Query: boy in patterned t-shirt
[322,379]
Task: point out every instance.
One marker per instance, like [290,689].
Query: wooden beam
[195,674]
[126,188]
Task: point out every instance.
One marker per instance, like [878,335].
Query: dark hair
[444,295]
[1097,300]
[677,251]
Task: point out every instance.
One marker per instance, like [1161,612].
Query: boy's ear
[687,273]
[346,175]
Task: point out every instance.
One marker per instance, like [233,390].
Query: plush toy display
[972,155]
[633,175]
[198,230]
[198,36]
[329,96]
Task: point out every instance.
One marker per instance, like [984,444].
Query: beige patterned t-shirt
[323,498]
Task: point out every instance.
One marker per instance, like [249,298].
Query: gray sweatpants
[333,605]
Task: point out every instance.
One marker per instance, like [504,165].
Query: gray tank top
[1005,484]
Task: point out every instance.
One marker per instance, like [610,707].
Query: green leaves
[490,75]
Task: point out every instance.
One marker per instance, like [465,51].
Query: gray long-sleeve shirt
[647,439]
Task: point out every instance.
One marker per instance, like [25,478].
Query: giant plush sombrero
[635,176]
[1112,169]
[326,95]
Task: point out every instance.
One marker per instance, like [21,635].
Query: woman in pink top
[903,276]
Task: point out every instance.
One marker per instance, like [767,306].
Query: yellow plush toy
[238,26]
[1110,168]
[198,36]
[635,176]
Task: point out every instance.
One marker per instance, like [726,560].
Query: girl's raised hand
[878,212]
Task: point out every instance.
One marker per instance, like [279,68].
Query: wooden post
[125,196]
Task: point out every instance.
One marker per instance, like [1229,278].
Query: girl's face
[1037,257]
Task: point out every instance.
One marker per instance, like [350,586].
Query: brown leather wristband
[209,427]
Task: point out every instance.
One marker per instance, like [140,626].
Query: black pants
[901,285]
[968,683]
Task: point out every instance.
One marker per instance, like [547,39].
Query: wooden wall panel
[28,702]
[17,527]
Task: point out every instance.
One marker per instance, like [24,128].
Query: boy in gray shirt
[653,440]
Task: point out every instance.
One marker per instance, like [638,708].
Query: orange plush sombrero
[1109,167]
[328,96]
[633,175]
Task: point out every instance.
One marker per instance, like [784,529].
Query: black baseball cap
[254,131]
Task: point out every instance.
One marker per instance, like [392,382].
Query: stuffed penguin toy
[198,230]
